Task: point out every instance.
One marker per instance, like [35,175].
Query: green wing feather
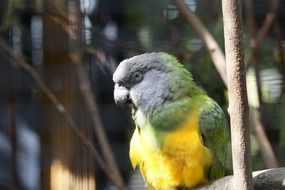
[215,135]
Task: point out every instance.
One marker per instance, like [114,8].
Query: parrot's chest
[180,161]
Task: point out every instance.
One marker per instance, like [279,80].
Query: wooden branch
[59,107]
[238,104]
[272,179]
[213,48]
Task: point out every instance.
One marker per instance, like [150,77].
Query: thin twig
[117,42]
[266,149]
[213,48]
[90,99]
[11,123]
[84,86]
[265,146]
[266,25]
[59,107]
[281,55]
[64,23]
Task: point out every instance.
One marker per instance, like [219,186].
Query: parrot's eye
[137,76]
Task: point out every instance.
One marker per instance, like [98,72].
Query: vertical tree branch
[238,105]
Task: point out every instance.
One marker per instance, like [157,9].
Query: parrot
[181,135]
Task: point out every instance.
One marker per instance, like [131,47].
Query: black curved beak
[122,96]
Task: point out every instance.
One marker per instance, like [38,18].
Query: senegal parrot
[181,134]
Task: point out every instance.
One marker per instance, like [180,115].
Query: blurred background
[59,126]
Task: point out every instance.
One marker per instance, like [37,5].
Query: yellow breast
[181,160]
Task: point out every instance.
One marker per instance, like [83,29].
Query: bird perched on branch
[181,134]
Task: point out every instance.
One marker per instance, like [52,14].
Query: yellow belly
[180,162]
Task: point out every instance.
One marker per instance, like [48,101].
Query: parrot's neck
[143,126]
[140,118]
[163,119]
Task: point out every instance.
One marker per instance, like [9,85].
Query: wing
[215,135]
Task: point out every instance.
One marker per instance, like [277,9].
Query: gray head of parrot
[142,81]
